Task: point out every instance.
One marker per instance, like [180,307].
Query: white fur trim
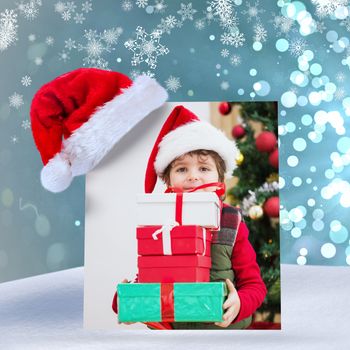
[56,175]
[194,136]
[86,147]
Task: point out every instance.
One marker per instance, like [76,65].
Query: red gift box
[173,268]
[182,240]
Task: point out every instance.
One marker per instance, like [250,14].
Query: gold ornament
[272,177]
[239,159]
[256,212]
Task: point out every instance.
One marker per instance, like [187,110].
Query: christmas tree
[256,191]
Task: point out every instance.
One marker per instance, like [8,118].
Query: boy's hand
[128,323]
[232,305]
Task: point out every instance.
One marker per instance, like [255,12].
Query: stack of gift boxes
[173,239]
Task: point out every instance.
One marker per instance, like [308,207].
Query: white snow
[46,312]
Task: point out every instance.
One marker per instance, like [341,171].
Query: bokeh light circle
[301,260]
[282,45]
[328,250]
[299,144]
[289,99]
[292,161]
[262,88]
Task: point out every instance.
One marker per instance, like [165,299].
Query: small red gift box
[174,268]
[179,240]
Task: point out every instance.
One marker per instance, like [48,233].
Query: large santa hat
[184,132]
[78,117]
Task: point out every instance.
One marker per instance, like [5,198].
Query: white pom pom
[56,176]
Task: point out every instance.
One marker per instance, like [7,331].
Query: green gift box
[171,302]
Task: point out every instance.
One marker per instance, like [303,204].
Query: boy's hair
[202,153]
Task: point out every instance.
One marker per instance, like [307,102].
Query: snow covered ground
[46,312]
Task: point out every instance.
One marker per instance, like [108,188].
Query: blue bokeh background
[230,50]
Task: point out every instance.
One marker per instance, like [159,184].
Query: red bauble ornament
[224,108]
[238,131]
[272,207]
[266,141]
[273,158]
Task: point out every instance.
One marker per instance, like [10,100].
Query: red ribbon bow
[220,191]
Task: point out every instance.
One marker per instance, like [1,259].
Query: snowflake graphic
[146,47]
[230,23]
[170,21]
[340,77]
[172,83]
[26,80]
[79,18]
[252,11]
[68,10]
[16,100]
[222,8]
[49,40]
[70,6]
[225,53]
[97,44]
[320,26]
[66,15]
[63,56]
[135,73]
[199,24]
[339,94]
[224,85]
[60,7]
[86,6]
[328,7]
[159,6]
[235,60]
[70,44]
[29,10]
[260,33]
[127,5]
[111,36]
[283,25]
[14,139]
[346,23]
[297,47]
[233,39]
[141,3]
[226,38]
[208,15]
[167,24]
[8,29]
[31,37]
[186,12]
[8,16]
[25,124]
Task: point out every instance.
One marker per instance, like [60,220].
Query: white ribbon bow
[166,230]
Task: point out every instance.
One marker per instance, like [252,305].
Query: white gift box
[199,208]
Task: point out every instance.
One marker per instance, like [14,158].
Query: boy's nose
[193,176]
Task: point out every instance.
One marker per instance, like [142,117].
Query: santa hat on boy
[78,117]
[184,132]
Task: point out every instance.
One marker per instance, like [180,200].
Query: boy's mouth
[189,188]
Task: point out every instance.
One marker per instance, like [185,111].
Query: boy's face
[191,171]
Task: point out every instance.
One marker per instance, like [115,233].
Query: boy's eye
[181,170]
[204,169]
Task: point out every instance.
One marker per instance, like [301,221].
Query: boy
[189,153]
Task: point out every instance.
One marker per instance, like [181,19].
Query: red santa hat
[184,132]
[79,116]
